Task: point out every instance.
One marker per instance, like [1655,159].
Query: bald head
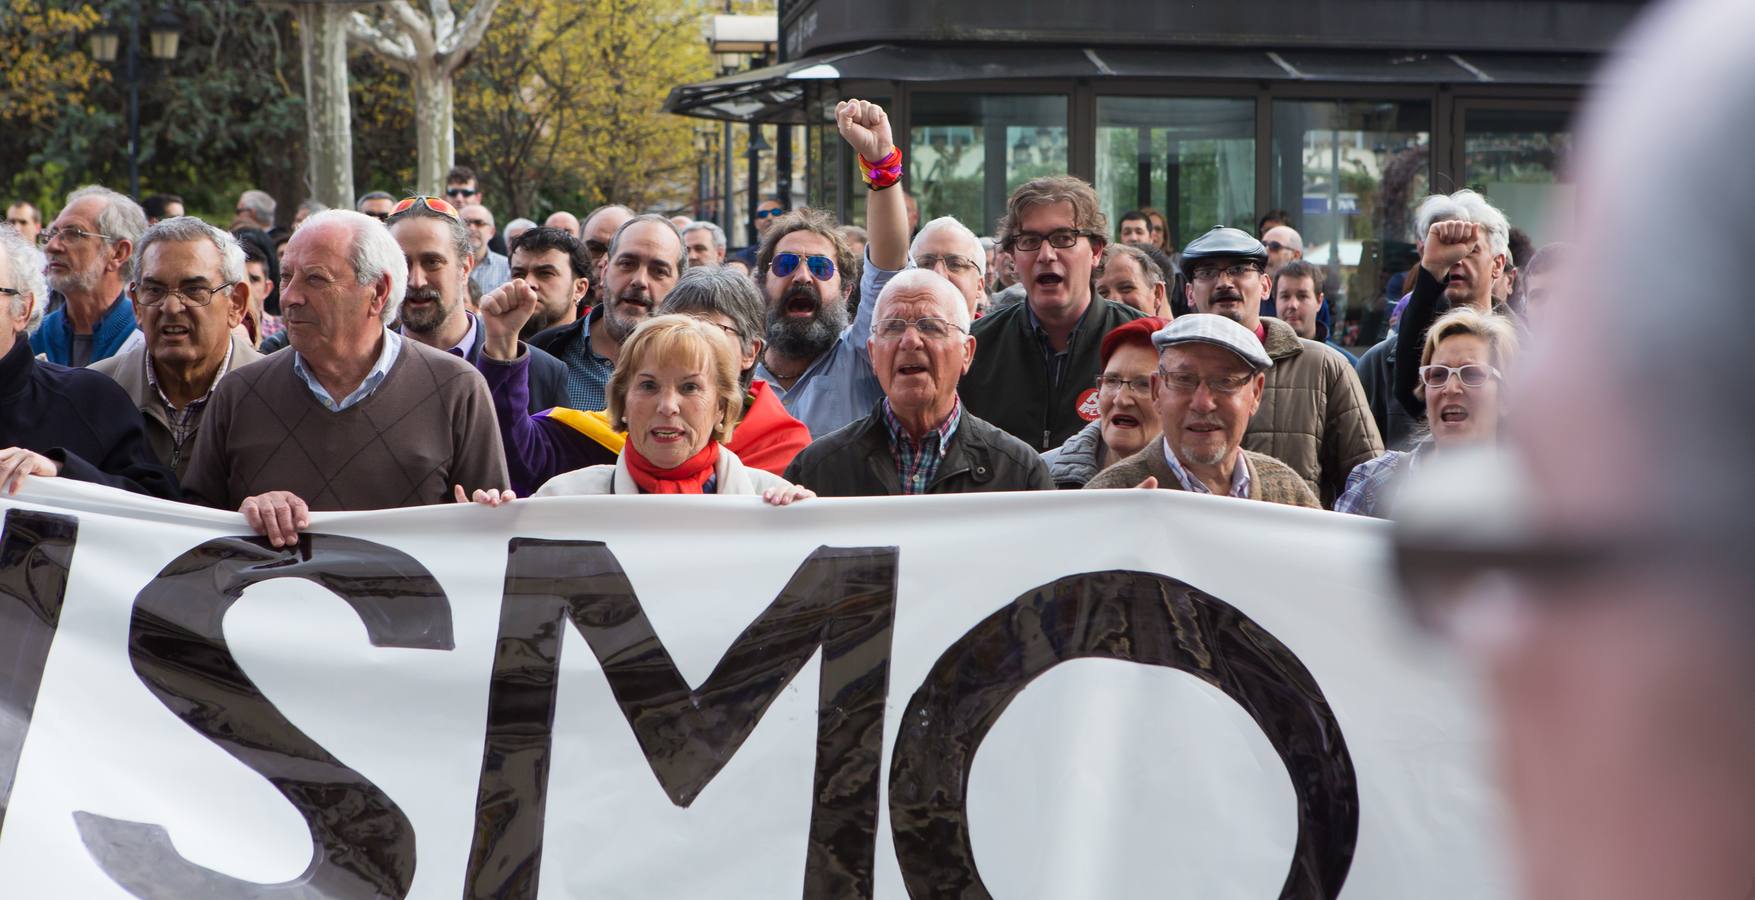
[563,220]
[1284,245]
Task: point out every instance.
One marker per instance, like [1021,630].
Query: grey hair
[186,229]
[372,195]
[682,252]
[260,205]
[1148,267]
[961,231]
[122,219]
[312,207]
[1466,206]
[517,224]
[716,289]
[926,281]
[458,232]
[25,262]
[372,252]
[718,233]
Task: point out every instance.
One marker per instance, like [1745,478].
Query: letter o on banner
[1136,617]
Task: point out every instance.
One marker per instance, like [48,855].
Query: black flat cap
[1224,242]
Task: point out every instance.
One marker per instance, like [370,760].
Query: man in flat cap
[1314,416]
[1210,379]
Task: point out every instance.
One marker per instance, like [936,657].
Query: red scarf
[767,436]
[688,478]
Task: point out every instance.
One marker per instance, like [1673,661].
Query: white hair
[121,220]
[718,233]
[926,281]
[185,229]
[25,263]
[373,252]
[977,254]
[1466,206]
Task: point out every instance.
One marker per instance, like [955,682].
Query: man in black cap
[1209,382]
[1313,415]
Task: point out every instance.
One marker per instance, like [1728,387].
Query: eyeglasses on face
[957,265]
[1236,272]
[1435,377]
[1059,239]
[597,248]
[1189,382]
[461,192]
[783,265]
[154,295]
[931,328]
[1275,246]
[766,213]
[68,234]
[435,204]
[735,334]
[1110,385]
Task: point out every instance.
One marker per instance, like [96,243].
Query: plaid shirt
[587,373]
[1372,481]
[182,421]
[917,462]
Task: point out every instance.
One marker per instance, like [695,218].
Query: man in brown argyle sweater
[351,415]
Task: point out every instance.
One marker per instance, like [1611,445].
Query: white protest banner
[1124,694]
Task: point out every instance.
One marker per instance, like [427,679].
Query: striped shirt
[917,461]
[587,373]
[182,421]
[1239,476]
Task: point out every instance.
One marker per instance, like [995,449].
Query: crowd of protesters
[408,352]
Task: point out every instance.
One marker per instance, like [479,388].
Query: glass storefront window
[968,151]
[1516,157]
[1191,159]
[1350,173]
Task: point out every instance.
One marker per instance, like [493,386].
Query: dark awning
[774,93]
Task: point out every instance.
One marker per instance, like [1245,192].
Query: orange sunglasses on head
[435,204]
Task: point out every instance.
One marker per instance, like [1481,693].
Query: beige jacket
[128,368]
[1314,416]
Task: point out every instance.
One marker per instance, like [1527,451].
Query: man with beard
[436,245]
[1467,247]
[88,247]
[1040,358]
[1313,416]
[646,257]
[816,361]
[558,268]
[190,291]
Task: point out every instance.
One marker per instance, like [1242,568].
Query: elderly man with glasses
[355,416]
[55,420]
[1314,416]
[189,291]
[1040,358]
[1210,379]
[919,439]
[88,247]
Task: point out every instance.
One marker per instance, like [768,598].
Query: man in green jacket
[1035,377]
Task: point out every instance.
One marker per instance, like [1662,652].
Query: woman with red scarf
[675,395]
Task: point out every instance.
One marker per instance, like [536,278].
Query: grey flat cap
[1205,328]
[1223,242]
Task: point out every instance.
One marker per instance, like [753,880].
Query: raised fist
[503,314]
[866,128]
[1447,243]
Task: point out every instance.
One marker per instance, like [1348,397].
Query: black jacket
[80,419]
[855,461]
[1008,383]
[1377,375]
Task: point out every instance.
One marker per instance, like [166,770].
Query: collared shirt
[182,421]
[839,386]
[466,346]
[917,461]
[1239,475]
[1371,482]
[491,272]
[380,371]
[587,373]
[1054,360]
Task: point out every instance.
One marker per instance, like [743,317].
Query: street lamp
[163,35]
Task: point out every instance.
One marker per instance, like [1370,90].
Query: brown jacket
[1269,479]
[1314,416]
[129,371]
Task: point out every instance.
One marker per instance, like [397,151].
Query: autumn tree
[429,46]
[562,105]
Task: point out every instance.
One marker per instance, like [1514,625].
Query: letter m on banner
[840,600]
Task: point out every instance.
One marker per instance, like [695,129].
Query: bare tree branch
[396,48]
[464,38]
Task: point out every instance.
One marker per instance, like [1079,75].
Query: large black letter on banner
[35,552]
[364,844]
[842,600]
[1132,616]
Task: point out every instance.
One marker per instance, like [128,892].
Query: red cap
[1139,331]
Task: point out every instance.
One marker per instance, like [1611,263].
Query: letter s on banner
[1136,617]
[365,845]
[35,551]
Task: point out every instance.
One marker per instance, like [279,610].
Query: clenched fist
[1447,243]
[503,314]
[866,128]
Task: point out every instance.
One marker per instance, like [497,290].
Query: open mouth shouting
[667,435]
[1453,414]
[1123,420]
[802,301]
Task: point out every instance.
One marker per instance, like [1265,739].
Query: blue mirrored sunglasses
[821,268]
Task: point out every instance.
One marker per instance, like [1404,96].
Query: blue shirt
[491,272]
[1239,475]
[587,373]
[380,371]
[839,386]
